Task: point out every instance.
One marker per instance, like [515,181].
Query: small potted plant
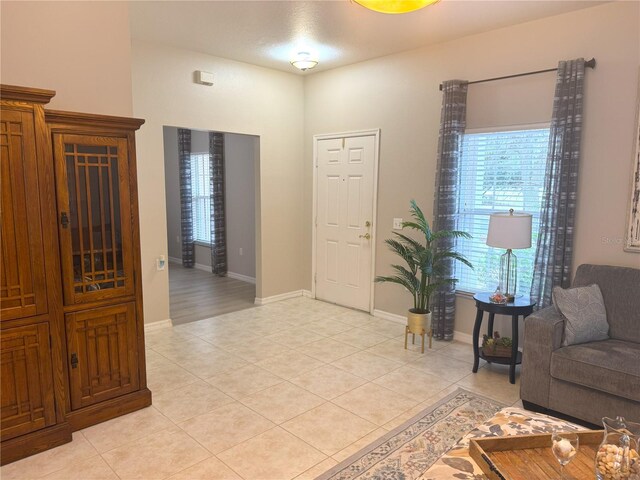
[426,264]
[496,346]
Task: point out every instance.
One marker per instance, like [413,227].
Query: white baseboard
[390,316]
[207,268]
[149,327]
[199,266]
[462,337]
[239,276]
[307,294]
[278,298]
[203,267]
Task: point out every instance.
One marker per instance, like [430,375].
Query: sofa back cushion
[620,287]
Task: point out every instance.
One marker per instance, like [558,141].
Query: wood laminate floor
[195,294]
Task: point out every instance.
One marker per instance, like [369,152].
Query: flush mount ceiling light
[304,61]
[395,6]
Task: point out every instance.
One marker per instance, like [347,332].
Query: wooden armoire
[71,325]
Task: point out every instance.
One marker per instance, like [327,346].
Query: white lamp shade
[509,230]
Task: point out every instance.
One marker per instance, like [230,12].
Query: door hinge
[343,140]
[74,360]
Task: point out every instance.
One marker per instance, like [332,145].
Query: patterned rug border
[376,443]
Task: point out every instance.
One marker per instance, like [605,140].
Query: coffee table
[510,421]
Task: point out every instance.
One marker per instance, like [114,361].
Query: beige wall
[245,99]
[172,191]
[82,50]
[241,153]
[399,94]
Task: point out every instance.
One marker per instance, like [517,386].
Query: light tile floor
[282,391]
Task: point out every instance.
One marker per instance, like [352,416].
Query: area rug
[408,451]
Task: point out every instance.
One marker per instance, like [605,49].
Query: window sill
[202,244]
[463,294]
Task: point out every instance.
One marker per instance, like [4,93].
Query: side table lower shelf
[501,360]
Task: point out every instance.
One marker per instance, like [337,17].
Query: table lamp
[509,230]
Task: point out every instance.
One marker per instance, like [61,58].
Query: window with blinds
[201,197]
[499,170]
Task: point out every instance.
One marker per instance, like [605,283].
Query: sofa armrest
[542,335]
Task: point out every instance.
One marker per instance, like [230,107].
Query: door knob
[367,223]
[366,236]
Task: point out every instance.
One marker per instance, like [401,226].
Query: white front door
[344,220]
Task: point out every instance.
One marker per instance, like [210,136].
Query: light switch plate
[397,224]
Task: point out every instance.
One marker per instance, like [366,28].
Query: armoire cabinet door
[22,283]
[94,206]
[103,357]
[27,386]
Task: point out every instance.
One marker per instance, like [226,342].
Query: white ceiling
[338,32]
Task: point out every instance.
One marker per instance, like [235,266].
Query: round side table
[520,306]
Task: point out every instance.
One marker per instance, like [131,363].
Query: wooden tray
[529,457]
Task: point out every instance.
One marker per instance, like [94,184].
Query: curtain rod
[588,63]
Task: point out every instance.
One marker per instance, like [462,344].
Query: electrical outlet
[240,252]
[397,224]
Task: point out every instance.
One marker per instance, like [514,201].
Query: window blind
[498,170]
[201,197]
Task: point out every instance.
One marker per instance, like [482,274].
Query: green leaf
[454,256]
[450,234]
[427,262]
[403,252]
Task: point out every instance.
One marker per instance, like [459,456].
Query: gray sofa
[590,380]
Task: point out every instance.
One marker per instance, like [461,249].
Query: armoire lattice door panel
[22,284]
[95,217]
[27,386]
[102,350]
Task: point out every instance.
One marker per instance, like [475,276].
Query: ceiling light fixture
[304,61]
[395,6]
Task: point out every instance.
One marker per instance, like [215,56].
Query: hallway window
[201,194]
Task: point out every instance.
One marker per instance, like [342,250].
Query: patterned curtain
[186,215]
[218,222]
[555,241]
[452,126]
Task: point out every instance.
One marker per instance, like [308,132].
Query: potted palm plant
[426,262]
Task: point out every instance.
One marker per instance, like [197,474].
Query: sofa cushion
[611,366]
[620,287]
[584,313]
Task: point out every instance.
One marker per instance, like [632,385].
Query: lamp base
[509,275]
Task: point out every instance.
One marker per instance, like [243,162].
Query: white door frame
[374,220]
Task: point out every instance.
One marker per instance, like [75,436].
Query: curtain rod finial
[590,63]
